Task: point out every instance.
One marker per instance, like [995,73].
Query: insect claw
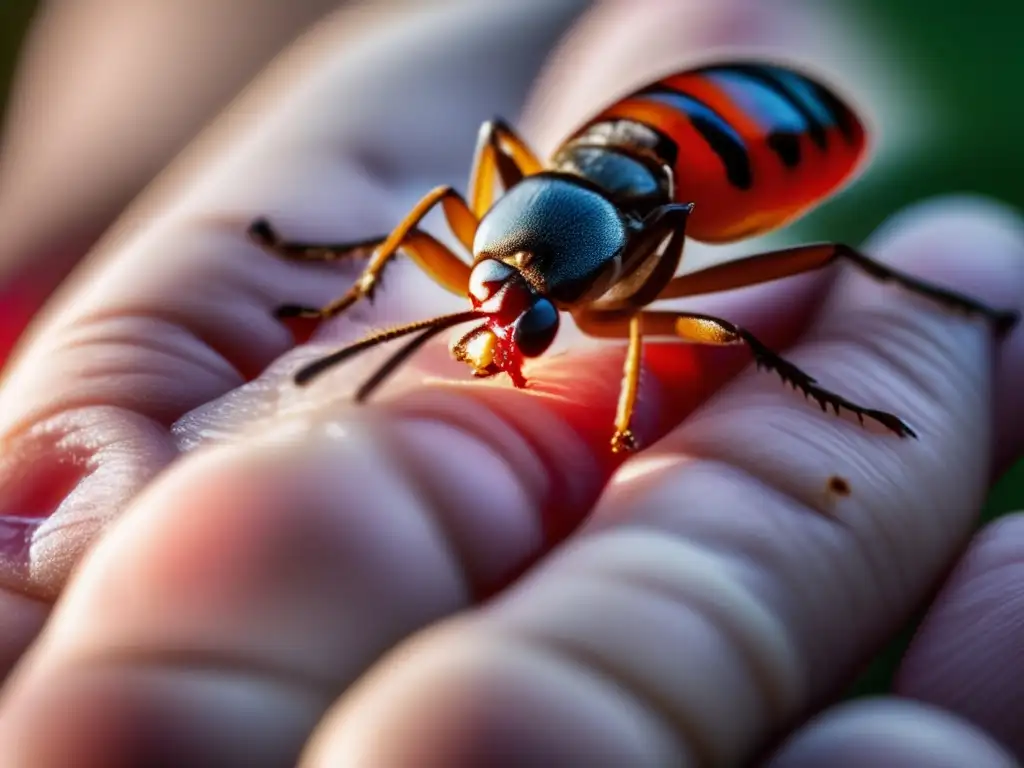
[623,441]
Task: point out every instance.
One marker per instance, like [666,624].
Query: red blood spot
[19,301]
[302,328]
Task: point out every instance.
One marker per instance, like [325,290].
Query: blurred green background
[15,16]
[971,60]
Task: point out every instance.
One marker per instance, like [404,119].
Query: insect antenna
[429,329]
[406,351]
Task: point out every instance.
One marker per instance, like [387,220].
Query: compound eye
[536,328]
[487,278]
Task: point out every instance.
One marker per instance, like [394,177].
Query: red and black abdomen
[752,145]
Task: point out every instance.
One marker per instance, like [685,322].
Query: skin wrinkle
[855,518]
[70,427]
[784,590]
[902,372]
[717,599]
[758,666]
[207,661]
[142,710]
[467,667]
[448,401]
[685,737]
[909,347]
[169,344]
[136,444]
[982,597]
[235,329]
[399,487]
[432,492]
[253,287]
[422,506]
[474,418]
[433,516]
[771,685]
[82,397]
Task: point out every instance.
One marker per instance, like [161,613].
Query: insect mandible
[716,153]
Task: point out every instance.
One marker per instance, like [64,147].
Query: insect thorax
[559,232]
[628,160]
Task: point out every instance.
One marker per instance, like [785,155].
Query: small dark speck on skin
[839,486]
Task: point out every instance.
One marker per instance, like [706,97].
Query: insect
[716,153]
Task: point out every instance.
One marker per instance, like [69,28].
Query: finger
[712,549]
[966,657]
[596,385]
[176,308]
[499,475]
[890,732]
[307,550]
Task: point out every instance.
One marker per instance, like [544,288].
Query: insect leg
[499,150]
[264,235]
[763,267]
[645,270]
[623,439]
[705,329]
[651,272]
[436,260]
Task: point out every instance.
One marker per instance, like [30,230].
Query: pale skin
[330,564]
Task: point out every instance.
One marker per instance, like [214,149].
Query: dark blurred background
[15,17]
[970,60]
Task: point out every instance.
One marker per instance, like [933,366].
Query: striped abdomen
[752,145]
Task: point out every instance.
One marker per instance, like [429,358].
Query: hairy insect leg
[772,265]
[705,329]
[267,237]
[438,261]
[433,257]
[499,151]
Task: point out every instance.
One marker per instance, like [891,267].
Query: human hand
[713,597]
